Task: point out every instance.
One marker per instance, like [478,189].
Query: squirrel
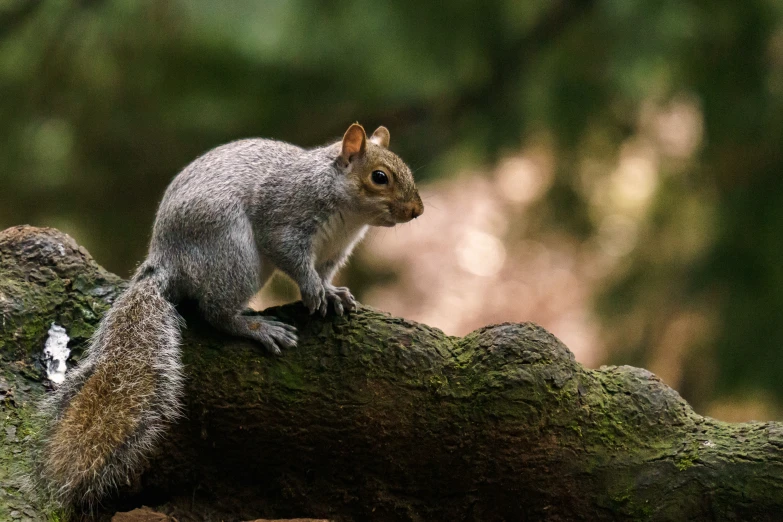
[227,221]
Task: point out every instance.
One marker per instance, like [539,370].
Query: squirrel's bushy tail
[104,420]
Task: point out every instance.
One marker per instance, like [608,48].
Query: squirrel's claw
[341,299]
[338,306]
[339,296]
[315,300]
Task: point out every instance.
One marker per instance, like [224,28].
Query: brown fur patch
[110,405]
[103,414]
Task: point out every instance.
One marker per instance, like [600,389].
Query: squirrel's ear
[381,137]
[354,144]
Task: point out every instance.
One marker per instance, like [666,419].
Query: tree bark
[373,417]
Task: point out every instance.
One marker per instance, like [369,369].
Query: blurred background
[610,169]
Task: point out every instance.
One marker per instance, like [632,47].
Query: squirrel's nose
[416,206]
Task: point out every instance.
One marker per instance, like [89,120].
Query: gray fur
[250,207]
[225,224]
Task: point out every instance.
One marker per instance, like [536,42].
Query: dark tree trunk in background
[374,417]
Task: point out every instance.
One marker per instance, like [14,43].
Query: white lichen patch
[55,353]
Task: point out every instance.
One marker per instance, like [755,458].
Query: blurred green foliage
[102,102]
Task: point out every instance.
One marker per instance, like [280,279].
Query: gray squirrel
[225,224]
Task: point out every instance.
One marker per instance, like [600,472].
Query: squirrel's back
[235,167]
[258,177]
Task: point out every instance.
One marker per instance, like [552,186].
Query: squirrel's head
[384,184]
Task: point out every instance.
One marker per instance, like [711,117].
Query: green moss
[292,376]
[438,382]
[622,498]
[56,517]
[688,457]
[684,463]
[627,502]
[15,418]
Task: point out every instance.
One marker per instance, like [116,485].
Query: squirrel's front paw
[341,299]
[314,299]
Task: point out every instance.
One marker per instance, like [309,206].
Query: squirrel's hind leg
[224,312]
[229,283]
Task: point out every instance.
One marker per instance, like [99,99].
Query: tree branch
[375,417]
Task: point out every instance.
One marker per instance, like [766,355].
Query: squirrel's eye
[379,177]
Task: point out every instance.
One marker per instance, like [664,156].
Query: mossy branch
[376,417]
